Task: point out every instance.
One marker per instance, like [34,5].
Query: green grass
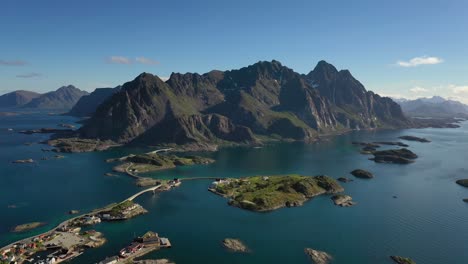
[261,194]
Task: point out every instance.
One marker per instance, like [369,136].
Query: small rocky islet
[235,245]
[398,156]
[318,257]
[343,200]
[463,182]
[402,260]
[413,138]
[363,174]
[27,227]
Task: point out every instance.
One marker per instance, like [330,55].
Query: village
[68,241]
[139,247]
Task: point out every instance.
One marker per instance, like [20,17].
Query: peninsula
[267,193]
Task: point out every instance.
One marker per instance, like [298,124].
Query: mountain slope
[355,107]
[87,104]
[63,98]
[263,100]
[17,98]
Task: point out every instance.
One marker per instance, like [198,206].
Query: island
[152,161]
[398,156]
[73,144]
[27,227]
[413,138]
[235,245]
[402,260]
[267,193]
[392,143]
[318,257]
[463,182]
[362,174]
[45,131]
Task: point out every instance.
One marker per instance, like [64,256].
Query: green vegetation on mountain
[260,102]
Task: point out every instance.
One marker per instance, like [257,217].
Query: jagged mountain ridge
[265,99]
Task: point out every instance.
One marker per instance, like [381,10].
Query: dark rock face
[17,98]
[362,174]
[357,108]
[63,98]
[266,99]
[87,104]
[400,156]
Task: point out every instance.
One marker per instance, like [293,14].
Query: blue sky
[399,48]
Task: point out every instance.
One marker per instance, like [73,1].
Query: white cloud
[29,75]
[144,60]
[118,60]
[418,89]
[12,62]
[425,60]
[459,90]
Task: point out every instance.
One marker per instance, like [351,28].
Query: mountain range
[435,106]
[17,98]
[264,100]
[64,97]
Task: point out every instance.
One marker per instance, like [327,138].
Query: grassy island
[27,227]
[153,162]
[266,193]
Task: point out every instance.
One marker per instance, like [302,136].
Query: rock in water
[362,174]
[463,182]
[413,138]
[318,257]
[24,161]
[235,245]
[465,200]
[402,260]
[399,156]
[343,200]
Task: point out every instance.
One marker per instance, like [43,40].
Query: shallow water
[427,222]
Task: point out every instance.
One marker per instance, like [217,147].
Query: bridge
[152,189]
[159,150]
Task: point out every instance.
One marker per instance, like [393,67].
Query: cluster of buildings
[21,251]
[174,183]
[218,182]
[140,246]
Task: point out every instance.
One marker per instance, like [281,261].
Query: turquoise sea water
[427,222]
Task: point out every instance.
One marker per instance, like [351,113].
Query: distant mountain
[87,104]
[17,98]
[63,98]
[264,100]
[434,107]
